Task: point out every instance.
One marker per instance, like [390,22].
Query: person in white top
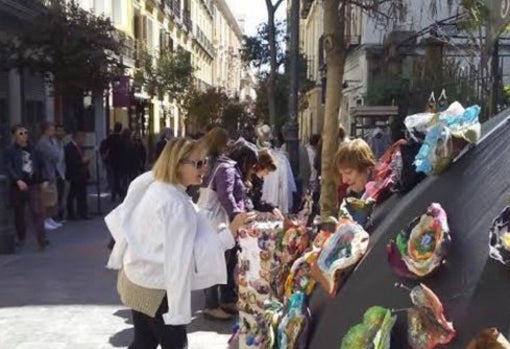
[164,242]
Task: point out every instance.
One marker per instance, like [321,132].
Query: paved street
[65,298]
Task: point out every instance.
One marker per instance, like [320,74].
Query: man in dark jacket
[77,174]
[26,176]
[166,136]
[115,155]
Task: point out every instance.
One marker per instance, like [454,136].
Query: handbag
[50,195]
[210,205]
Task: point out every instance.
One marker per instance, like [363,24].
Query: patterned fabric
[293,327]
[387,173]
[258,263]
[447,133]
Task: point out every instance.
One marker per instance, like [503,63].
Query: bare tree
[273,59]
[336,48]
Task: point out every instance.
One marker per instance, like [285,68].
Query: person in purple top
[229,177]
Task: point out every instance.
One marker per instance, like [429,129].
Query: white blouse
[163,241]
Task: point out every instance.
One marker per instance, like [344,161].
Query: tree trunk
[334,44]
[271,81]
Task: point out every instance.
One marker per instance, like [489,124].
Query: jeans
[226,293]
[151,332]
[32,197]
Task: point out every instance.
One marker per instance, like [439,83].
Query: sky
[254,12]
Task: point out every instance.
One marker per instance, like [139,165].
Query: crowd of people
[124,157]
[49,176]
[197,195]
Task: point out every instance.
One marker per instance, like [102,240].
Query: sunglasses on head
[197,163]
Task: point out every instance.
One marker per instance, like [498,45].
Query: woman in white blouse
[165,247]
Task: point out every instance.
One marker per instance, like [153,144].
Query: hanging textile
[280,185]
[447,133]
[258,259]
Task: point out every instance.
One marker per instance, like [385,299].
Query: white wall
[418,16]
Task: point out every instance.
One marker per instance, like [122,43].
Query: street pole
[291,127]
[7,241]
[495,79]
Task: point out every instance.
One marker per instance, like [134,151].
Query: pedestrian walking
[26,177]
[50,157]
[114,153]
[77,173]
[159,267]
[140,153]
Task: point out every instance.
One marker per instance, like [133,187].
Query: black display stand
[473,288]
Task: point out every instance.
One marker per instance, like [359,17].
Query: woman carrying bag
[227,184]
[179,251]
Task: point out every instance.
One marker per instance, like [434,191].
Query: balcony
[202,39]
[186,19]
[129,51]
[208,4]
[176,8]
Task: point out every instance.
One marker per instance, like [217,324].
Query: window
[117,12]
[150,33]
[99,7]
[85,4]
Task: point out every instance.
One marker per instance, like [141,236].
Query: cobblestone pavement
[64,298]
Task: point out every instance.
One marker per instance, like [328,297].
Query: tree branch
[370,8]
[278,3]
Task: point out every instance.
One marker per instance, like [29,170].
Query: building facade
[204,28]
[227,41]
[311,28]
[202,49]
[369,42]
[22,95]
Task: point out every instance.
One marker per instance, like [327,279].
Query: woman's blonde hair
[165,168]
[355,154]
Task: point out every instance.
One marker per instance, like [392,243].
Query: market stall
[472,287]
[407,273]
